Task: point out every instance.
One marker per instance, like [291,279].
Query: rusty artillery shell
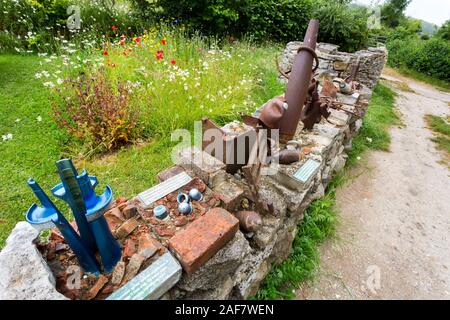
[287,156]
[250,221]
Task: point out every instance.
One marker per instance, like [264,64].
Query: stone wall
[339,64]
[237,269]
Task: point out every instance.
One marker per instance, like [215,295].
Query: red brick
[196,183]
[108,289]
[201,240]
[148,246]
[101,282]
[122,205]
[126,228]
[116,213]
[130,211]
[133,267]
[118,273]
[120,200]
[181,221]
[56,236]
[130,248]
[168,173]
[164,231]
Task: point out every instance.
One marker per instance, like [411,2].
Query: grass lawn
[36,145]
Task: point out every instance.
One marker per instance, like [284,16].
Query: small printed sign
[153,282]
[307,170]
[164,188]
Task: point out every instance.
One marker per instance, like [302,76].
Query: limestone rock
[24,275]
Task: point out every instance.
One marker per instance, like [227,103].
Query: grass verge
[440,84]
[441,128]
[320,218]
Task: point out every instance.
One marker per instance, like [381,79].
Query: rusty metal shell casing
[288,156]
[250,221]
[299,81]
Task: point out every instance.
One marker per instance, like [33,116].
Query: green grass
[320,218]
[441,127]
[440,84]
[36,146]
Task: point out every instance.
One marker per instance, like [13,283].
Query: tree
[444,31]
[393,11]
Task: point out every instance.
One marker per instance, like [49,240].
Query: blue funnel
[96,206]
[49,216]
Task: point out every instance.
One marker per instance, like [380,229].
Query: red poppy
[114,28]
[163,41]
[137,39]
[159,56]
[173,61]
[105,53]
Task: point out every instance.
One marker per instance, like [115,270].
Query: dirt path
[393,240]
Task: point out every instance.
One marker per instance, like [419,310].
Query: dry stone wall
[238,268]
[339,64]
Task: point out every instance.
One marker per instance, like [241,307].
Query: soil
[392,240]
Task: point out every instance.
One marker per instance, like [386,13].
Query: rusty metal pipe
[299,81]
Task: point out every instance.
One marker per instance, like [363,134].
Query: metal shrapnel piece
[151,283]
[164,188]
[307,170]
[182,197]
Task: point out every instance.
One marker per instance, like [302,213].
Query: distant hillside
[428,27]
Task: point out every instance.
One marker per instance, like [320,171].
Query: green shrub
[40,25]
[97,111]
[342,25]
[280,20]
[431,57]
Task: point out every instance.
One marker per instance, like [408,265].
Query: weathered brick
[196,244]
[130,248]
[130,211]
[133,267]
[169,173]
[102,280]
[148,246]
[126,228]
[118,273]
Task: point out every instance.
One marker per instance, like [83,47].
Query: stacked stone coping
[339,64]
[236,270]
